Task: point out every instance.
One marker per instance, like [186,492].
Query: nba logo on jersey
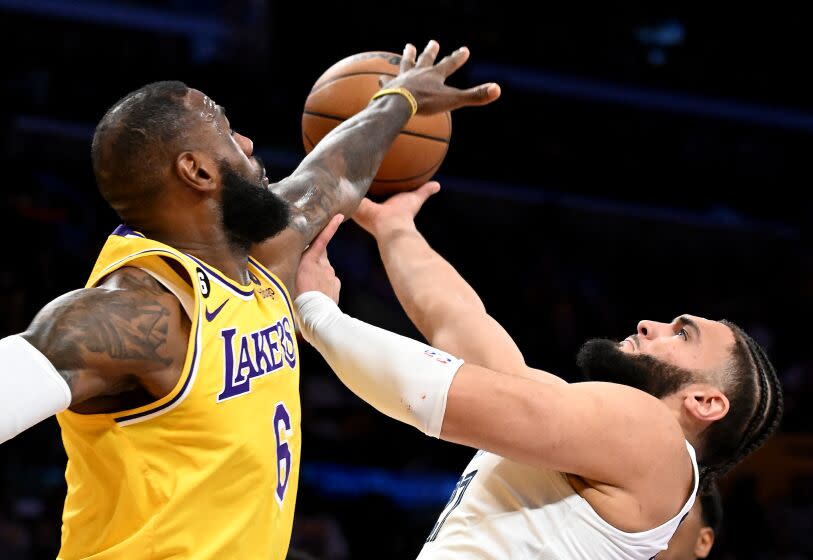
[438,356]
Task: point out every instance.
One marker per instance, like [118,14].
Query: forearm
[442,305]
[400,377]
[432,293]
[335,176]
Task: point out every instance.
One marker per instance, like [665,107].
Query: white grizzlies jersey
[503,510]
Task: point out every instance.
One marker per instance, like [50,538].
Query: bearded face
[601,359]
[251,212]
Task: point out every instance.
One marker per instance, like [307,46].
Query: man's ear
[196,171]
[705,540]
[705,403]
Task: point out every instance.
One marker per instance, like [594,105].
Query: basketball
[344,89]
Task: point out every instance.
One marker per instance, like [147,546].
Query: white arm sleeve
[400,377]
[31,389]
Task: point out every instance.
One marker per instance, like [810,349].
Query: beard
[251,212]
[600,359]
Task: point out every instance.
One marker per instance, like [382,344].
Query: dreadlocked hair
[756,406]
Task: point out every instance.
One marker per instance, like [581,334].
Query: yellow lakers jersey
[209,471]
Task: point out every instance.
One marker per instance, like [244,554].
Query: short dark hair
[756,406]
[130,136]
[711,508]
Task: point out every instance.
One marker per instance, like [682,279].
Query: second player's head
[165,152]
[696,534]
[716,377]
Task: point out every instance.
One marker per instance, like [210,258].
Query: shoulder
[134,286]
[130,278]
[128,325]
[656,475]
[642,432]
[658,456]
[642,416]
[126,286]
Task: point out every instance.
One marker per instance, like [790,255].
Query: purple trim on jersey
[228,283]
[124,230]
[180,394]
[273,281]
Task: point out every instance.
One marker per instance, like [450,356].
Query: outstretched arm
[624,442]
[441,304]
[335,176]
[92,343]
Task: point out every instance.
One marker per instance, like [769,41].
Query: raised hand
[425,80]
[397,212]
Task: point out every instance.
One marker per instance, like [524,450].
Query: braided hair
[756,406]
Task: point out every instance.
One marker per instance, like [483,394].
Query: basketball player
[696,533]
[604,469]
[174,373]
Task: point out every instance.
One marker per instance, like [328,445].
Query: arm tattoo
[313,202]
[336,175]
[101,327]
[129,329]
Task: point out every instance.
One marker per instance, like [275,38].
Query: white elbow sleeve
[402,378]
[31,389]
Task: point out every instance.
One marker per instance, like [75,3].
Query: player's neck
[691,430]
[692,427]
[206,243]
[229,259]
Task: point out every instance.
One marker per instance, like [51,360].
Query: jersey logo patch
[211,316]
[203,280]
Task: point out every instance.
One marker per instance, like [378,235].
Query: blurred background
[641,163]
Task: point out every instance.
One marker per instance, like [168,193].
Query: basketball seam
[365,73]
[432,169]
[308,138]
[407,132]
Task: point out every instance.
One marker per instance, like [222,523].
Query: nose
[245,144]
[650,329]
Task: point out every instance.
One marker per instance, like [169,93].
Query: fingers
[428,55]
[451,63]
[427,190]
[319,244]
[481,95]
[408,58]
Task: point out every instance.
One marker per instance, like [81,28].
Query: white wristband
[400,377]
[31,389]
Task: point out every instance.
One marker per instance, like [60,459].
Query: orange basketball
[345,89]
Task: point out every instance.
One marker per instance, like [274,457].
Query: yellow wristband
[399,91]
